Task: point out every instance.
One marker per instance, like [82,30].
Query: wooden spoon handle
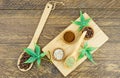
[43,20]
[79,43]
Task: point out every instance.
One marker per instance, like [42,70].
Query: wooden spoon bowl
[19,61]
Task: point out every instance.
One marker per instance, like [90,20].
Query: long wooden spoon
[38,31]
[71,59]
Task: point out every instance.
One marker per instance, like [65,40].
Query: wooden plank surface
[19,19]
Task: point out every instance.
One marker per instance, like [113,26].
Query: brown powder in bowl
[69,36]
[89,33]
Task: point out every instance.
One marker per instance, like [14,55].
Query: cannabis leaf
[82,21]
[86,51]
[34,56]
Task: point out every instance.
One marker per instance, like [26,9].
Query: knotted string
[55,3]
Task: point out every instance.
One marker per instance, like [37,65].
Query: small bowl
[69,36]
[58,50]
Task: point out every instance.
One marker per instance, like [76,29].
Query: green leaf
[37,49]
[30,52]
[82,21]
[43,54]
[82,18]
[87,51]
[87,21]
[90,49]
[35,56]
[82,54]
[80,28]
[89,56]
[30,60]
[38,61]
[85,45]
[77,22]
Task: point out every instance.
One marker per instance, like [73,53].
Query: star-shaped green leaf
[82,22]
[35,56]
[86,51]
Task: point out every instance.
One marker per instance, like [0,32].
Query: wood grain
[19,19]
[39,4]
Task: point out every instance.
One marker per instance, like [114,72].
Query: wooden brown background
[19,19]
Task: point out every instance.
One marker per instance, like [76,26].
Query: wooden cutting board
[97,40]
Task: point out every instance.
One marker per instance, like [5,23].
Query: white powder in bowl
[58,54]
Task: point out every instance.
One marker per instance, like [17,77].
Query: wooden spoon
[73,56]
[38,31]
